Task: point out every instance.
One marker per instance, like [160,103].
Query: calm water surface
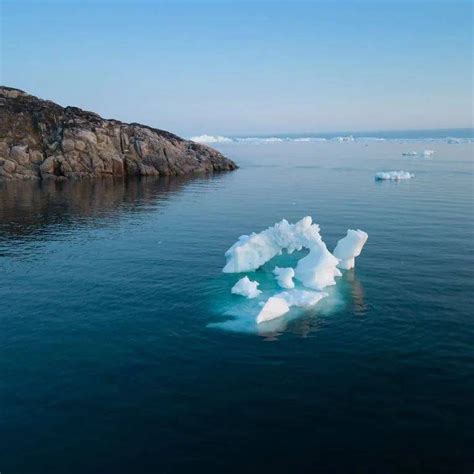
[108,291]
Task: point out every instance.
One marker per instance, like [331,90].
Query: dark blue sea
[113,358]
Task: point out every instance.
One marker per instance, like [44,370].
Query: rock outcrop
[42,140]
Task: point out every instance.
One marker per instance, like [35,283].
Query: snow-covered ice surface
[318,269]
[252,251]
[303,281]
[281,303]
[246,287]
[393,175]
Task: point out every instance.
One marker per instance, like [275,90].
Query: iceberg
[349,138]
[393,175]
[278,305]
[350,247]
[246,287]
[211,139]
[315,271]
[318,269]
[252,251]
[428,152]
[285,277]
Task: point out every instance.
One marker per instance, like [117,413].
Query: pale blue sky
[247,67]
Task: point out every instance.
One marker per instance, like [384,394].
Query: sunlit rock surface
[42,140]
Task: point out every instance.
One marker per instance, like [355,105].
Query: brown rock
[41,139]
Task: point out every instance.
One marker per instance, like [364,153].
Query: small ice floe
[281,303]
[393,175]
[410,153]
[428,152]
[285,277]
[350,247]
[246,287]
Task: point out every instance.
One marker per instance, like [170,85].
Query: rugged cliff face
[40,139]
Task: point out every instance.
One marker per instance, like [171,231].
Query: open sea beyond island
[123,350]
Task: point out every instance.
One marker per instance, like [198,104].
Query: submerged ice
[281,303]
[303,284]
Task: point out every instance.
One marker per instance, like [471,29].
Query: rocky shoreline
[40,139]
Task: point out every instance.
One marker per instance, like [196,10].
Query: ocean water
[118,352]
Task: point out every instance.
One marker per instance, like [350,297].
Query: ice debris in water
[428,152]
[246,287]
[252,251]
[393,175]
[317,270]
[410,153]
[285,277]
[350,247]
[281,303]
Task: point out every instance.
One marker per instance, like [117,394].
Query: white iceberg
[211,139]
[285,277]
[350,247]
[393,175]
[246,287]
[252,251]
[410,153]
[318,269]
[349,138]
[278,305]
[428,152]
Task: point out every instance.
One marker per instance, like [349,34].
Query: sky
[245,67]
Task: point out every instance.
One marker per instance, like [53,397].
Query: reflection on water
[29,209]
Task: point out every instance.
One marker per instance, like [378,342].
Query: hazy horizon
[248,68]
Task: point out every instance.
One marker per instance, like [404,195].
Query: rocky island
[40,139]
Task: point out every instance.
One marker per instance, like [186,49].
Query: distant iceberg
[315,271]
[393,175]
[349,138]
[211,139]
